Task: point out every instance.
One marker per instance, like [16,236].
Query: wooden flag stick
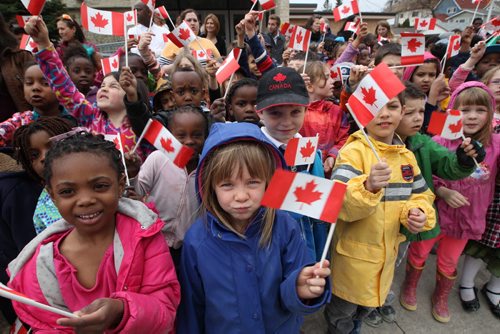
[327,244]
[151,20]
[122,151]
[360,18]
[307,54]
[148,124]
[253,6]
[364,132]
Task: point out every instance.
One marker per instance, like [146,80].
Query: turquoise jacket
[434,159]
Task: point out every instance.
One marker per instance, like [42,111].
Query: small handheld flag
[305,194]
[447,125]
[413,48]
[345,10]
[301,151]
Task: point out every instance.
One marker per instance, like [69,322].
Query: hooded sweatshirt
[136,269]
[469,222]
[232,284]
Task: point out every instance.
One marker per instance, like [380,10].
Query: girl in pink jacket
[106,260]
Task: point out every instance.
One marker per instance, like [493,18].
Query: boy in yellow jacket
[381,196]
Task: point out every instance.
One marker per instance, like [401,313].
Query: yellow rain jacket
[367,237]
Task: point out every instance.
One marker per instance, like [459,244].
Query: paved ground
[420,321]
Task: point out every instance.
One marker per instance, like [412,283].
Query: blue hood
[224,133]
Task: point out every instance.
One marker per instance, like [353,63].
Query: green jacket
[434,159]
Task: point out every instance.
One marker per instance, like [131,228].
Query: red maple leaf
[299,37]
[307,195]
[129,17]
[32,44]
[455,128]
[279,77]
[99,21]
[165,38]
[184,34]
[495,22]
[167,145]
[369,95]
[114,63]
[307,150]
[456,46]
[423,23]
[414,44]
[334,74]
[201,54]
[346,9]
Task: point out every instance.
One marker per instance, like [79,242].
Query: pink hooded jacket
[146,280]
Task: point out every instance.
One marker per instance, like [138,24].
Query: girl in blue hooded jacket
[243,267]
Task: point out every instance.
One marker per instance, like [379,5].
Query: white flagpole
[122,151]
[126,40]
[307,54]
[327,244]
[364,133]
[475,11]
[477,163]
[148,124]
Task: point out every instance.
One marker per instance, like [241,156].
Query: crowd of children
[123,237]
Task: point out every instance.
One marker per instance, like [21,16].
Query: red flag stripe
[153,132]
[281,183]
[363,115]
[333,205]
[409,60]
[385,82]
[33,6]
[291,151]
[84,18]
[183,156]
[436,123]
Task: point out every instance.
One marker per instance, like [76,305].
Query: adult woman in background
[211,28]
[171,50]
[70,31]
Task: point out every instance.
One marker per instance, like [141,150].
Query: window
[414,14]
[451,10]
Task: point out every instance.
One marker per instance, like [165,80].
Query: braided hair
[21,142]
[83,142]
[185,109]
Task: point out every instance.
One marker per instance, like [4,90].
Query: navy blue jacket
[233,285]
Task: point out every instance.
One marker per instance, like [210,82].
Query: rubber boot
[408,294]
[444,284]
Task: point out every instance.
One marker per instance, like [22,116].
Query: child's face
[413,117]
[253,66]
[383,126]
[382,31]
[296,64]
[110,95]
[474,118]
[391,61]
[37,91]
[39,146]
[81,72]
[189,128]
[188,88]
[424,76]
[283,122]
[321,89]
[486,63]
[242,106]
[85,189]
[364,57]
[240,196]
[138,68]
[167,100]
[494,85]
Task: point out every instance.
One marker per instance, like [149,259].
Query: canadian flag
[22,19]
[260,16]
[229,66]
[150,3]
[353,26]
[305,194]
[201,55]
[266,4]
[117,139]
[422,23]
[102,22]
[453,46]
[27,43]
[413,48]
[345,10]
[182,35]
[492,25]
[447,125]
[34,6]
[381,39]
[18,328]
[301,151]
[373,92]
[323,27]
[162,11]
[111,64]
[336,73]
[287,29]
[300,39]
[163,140]
[130,17]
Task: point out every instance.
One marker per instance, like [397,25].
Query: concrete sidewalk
[421,320]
